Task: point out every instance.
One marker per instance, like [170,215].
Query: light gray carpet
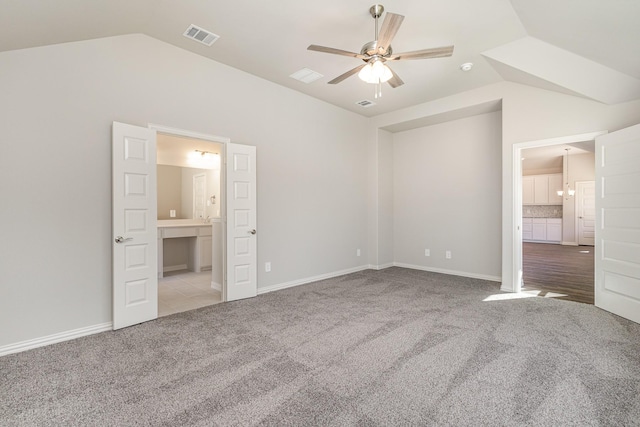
[394,347]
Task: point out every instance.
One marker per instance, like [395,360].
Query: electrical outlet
[267,267]
[447,254]
[427,252]
[357,252]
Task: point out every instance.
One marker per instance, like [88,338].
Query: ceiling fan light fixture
[375,72]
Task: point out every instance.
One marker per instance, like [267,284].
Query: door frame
[516,178]
[223,141]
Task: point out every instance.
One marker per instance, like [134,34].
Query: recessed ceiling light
[466,66]
[306,75]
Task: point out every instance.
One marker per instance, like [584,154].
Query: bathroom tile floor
[180,291]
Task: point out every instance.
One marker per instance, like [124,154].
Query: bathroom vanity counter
[198,243]
[172,223]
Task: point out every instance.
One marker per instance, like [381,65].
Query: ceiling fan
[376,53]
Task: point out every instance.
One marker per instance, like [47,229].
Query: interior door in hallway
[586,211]
[617,263]
[134,217]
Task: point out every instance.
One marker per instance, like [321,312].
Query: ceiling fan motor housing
[371,49]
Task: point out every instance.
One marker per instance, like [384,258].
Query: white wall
[56,110]
[528,114]
[381,199]
[447,196]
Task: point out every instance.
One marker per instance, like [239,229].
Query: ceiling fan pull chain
[378,90]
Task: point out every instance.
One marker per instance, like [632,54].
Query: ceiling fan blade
[395,81]
[334,51]
[349,73]
[390,27]
[435,52]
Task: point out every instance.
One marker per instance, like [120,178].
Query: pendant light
[570,192]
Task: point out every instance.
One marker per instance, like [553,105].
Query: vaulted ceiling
[587,48]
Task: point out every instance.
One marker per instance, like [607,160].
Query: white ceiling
[596,41]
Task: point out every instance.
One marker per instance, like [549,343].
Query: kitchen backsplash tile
[542,211]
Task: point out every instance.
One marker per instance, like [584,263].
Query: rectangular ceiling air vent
[198,34]
[306,75]
[366,103]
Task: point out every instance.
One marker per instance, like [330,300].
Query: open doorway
[135,224]
[189,194]
[556,216]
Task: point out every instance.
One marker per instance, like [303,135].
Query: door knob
[121,239]
[253,231]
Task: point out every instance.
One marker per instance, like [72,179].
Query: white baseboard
[216,286]
[304,281]
[503,289]
[381,266]
[55,338]
[174,267]
[451,272]
[570,244]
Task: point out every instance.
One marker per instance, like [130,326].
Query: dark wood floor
[558,269]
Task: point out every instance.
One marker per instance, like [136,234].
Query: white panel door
[242,259]
[618,223]
[586,211]
[199,195]
[134,216]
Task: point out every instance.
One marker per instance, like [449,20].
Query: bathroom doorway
[137,230]
[189,193]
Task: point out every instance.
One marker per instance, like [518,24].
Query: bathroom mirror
[188,178]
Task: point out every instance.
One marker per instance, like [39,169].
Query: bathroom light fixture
[204,153]
[570,192]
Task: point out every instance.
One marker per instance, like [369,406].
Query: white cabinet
[539,229]
[205,252]
[541,189]
[197,245]
[527,228]
[527,190]
[554,229]
[543,230]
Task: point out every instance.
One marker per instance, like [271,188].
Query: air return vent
[306,75]
[203,36]
[366,103]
